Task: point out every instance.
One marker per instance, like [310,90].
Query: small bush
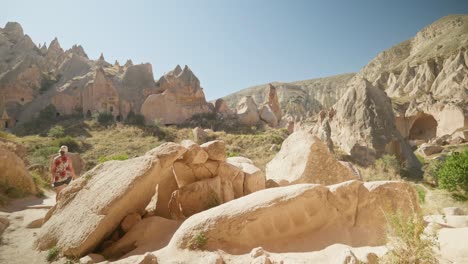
[53,254]
[114,157]
[385,168]
[407,242]
[56,132]
[421,193]
[105,119]
[453,173]
[135,119]
[71,143]
[198,241]
[231,154]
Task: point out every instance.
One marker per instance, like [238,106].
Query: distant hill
[299,98]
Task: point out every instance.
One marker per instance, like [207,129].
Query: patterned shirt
[61,168]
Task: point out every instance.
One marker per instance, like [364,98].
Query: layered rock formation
[300,218]
[427,79]
[303,158]
[13,170]
[363,126]
[33,77]
[181,98]
[172,181]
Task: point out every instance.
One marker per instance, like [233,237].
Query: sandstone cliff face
[181,98]
[32,77]
[427,79]
[364,126]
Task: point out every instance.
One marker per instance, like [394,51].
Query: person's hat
[64,149]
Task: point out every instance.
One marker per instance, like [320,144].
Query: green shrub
[453,173]
[135,119]
[105,119]
[56,132]
[198,241]
[421,193]
[407,242]
[231,154]
[71,143]
[421,159]
[53,254]
[114,157]
[388,163]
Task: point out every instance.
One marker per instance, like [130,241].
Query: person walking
[62,171]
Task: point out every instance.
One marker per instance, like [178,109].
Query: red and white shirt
[61,168]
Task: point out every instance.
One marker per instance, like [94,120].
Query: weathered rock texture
[300,218]
[303,158]
[32,78]
[13,172]
[172,181]
[364,126]
[247,111]
[426,77]
[101,199]
[182,98]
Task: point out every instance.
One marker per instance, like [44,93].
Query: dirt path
[16,243]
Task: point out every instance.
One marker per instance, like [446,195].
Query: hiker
[62,171]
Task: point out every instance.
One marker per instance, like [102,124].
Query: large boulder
[300,218]
[364,127]
[13,172]
[273,102]
[429,149]
[254,178]
[303,158]
[150,234]
[267,115]
[102,198]
[247,111]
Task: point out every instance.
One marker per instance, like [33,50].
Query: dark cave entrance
[423,128]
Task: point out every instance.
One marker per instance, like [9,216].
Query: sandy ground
[16,243]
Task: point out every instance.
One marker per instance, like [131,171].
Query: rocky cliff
[33,77]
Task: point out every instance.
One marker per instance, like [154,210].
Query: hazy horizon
[232,45]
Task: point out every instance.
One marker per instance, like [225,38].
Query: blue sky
[234,44]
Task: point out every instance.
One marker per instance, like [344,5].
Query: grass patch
[114,157]
[198,241]
[387,168]
[421,193]
[53,254]
[407,242]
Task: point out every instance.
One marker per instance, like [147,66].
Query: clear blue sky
[234,44]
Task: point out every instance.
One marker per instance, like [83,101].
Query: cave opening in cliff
[6,124]
[423,128]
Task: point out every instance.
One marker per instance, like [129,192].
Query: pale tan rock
[129,221]
[453,221]
[234,175]
[196,197]
[364,127]
[195,154]
[4,222]
[303,158]
[150,234]
[150,209]
[201,172]
[92,258]
[216,150]
[165,189]
[428,149]
[267,115]
[261,260]
[451,248]
[99,206]
[183,174]
[300,218]
[247,111]
[182,98]
[199,135]
[254,178]
[453,211]
[14,173]
[34,218]
[273,102]
[167,153]
[257,252]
